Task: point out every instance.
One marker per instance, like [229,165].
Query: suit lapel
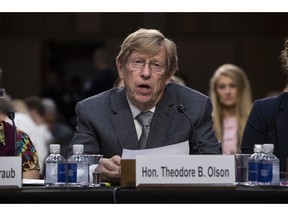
[282,120]
[162,119]
[123,121]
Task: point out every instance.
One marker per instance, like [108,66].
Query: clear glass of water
[94,176]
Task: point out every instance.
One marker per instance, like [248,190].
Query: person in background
[25,147]
[20,106]
[108,122]
[59,91]
[104,76]
[268,119]
[178,80]
[24,121]
[37,112]
[230,94]
[62,133]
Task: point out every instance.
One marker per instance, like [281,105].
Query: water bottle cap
[258,147]
[267,147]
[78,148]
[54,148]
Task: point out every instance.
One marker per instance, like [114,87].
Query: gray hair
[148,41]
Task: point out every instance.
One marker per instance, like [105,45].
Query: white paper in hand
[176,149]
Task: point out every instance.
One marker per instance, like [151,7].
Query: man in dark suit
[268,122]
[107,122]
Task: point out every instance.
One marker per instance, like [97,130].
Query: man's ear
[120,69]
[169,78]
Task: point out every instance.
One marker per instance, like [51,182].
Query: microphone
[182,109]
[11,116]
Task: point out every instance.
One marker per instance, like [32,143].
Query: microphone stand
[182,109]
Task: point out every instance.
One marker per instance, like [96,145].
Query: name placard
[185,169]
[10,171]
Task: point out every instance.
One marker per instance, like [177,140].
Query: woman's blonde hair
[243,101]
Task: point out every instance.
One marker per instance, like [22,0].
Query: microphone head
[181,108]
[11,115]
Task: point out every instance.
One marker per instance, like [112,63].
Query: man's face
[145,78]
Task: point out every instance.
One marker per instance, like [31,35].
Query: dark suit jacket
[268,123]
[105,122]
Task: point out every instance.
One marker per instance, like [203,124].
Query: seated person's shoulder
[27,150]
[187,92]
[273,101]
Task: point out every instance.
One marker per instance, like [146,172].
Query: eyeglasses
[2,92]
[154,66]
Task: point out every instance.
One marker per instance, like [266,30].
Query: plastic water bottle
[268,167]
[253,164]
[55,168]
[77,168]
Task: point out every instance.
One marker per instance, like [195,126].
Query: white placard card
[11,171]
[185,169]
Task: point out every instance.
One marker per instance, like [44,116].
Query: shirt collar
[135,111]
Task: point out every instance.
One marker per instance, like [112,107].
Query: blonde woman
[230,94]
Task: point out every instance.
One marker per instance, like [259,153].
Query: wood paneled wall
[205,41]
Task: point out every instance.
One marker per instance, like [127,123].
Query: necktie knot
[144,118]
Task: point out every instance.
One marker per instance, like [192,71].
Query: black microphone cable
[11,116]
[182,109]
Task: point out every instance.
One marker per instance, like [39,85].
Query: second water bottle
[77,168]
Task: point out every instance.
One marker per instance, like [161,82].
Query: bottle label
[50,173]
[253,171]
[72,173]
[82,173]
[265,172]
[61,172]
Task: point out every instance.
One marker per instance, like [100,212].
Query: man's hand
[110,169]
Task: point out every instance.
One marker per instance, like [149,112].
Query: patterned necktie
[144,118]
